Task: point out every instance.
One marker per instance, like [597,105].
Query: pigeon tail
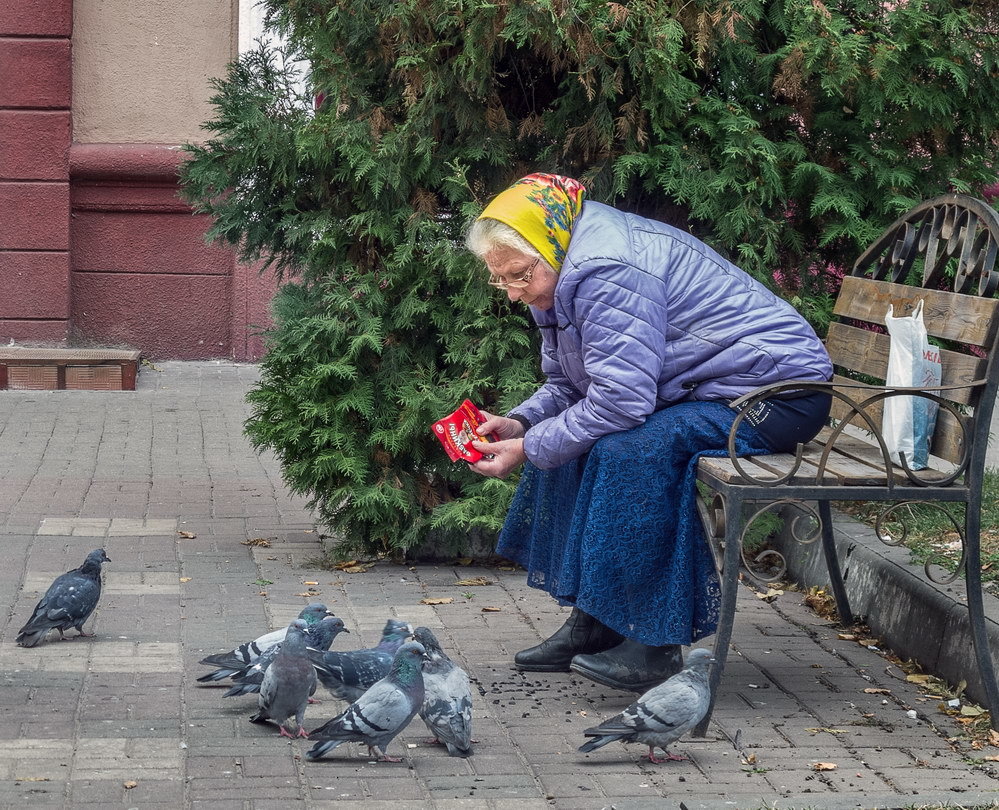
[599,741]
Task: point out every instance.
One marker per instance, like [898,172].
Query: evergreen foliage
[786,133]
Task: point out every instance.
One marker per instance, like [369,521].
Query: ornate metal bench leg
[976,612]
[832,563]
[729,591]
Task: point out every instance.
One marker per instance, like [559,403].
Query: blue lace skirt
[617,533]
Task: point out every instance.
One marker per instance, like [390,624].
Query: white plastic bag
[913,362]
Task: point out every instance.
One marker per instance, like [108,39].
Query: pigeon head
[408,662]
[428,640]
[296,635]
[396,629]
[314,613]
[699,658]
[95,559]
[321,635]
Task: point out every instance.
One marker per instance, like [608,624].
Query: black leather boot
[580,634]
[630,665]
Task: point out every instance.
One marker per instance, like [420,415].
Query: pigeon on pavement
[318,637]
[68,602]
[233,661]
[663,714]
[348,674]
[447,704]
[288,683]
[379,714]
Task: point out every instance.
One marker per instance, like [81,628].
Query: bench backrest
[942,251]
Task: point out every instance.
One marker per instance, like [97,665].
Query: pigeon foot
[302,732]
[668,758]
[387,758]
[285,733]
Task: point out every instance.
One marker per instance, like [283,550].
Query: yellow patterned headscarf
[542,209]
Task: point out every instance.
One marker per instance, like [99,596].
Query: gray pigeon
[245,654]
[348,674]
[447,705]
[663,714]
[288,683]
[68,602]
[384,710]
[318,637]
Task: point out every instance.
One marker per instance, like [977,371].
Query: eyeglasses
[517,282]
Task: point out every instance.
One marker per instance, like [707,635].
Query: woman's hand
[502,426]
[501,457]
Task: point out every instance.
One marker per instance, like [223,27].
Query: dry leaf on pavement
[443,600]
[490,609]
[474,581]
[824,766]
[263,542]
[187,535]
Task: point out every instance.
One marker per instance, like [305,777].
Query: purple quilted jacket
[646,316]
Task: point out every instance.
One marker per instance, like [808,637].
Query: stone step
[24,368]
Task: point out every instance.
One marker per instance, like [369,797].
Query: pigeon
[317,637]
[663,714]
[288,683]
[379,714]
[447,704]
[233,661]
[68,602]
[347,675]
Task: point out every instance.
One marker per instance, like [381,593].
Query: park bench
[942,251]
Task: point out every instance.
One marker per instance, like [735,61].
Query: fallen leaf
[185,579]
[443,600]
[770,595]
[263,542]
[917,678]
[474,581]
[261,593]
[345,564]
[131,783]
[824,766]
[992,758]
[872,690]
[826,730]
[749,759]
[309,592]
[846,637]
[31,779]
[356,569]
[310,582]
[971,711]
[994,737]
[187,535]
[464,561]
[490,609]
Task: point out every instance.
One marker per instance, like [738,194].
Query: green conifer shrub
[785,133]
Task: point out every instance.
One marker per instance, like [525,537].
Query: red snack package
[457,431]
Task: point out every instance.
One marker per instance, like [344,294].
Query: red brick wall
[35,82]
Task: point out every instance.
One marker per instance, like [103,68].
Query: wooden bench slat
[953,316]
[867,352]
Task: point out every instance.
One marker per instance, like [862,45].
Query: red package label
[458,430]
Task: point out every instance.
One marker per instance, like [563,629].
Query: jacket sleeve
[557,393]
[620,312]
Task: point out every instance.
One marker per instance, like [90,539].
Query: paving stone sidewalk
[164,480]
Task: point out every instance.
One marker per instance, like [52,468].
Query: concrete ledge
[915,617]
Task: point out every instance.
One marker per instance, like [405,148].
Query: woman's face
[509,264]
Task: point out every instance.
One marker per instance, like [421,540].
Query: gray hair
[487,234]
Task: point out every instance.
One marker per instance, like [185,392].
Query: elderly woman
[646,335]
